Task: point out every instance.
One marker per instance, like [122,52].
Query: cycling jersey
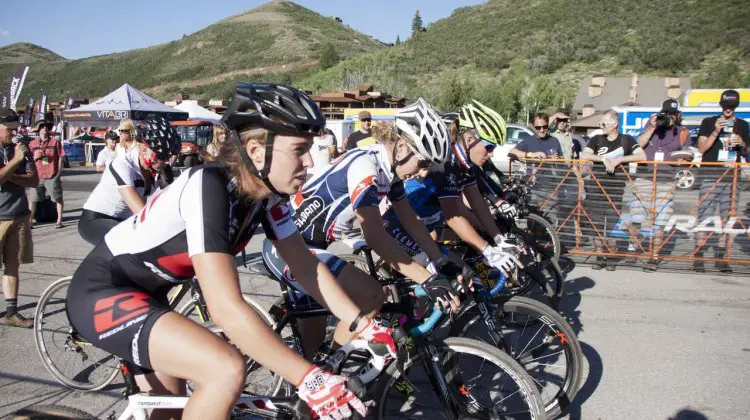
[119,290]
[324,206]
[124,171]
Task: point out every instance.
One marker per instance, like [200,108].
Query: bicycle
[528,330]
[93,369]
[454,395]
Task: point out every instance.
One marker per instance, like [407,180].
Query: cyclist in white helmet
[439,198]
[350,189]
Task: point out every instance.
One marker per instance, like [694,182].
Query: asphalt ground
[657,345]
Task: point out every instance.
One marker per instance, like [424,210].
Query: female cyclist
[117,298]
[128,180]
[437,197]
[350,189]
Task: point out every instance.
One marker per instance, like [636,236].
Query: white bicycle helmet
[423,126]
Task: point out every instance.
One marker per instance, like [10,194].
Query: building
[598,93]
[333,104]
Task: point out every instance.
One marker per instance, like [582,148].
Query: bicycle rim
[541,341]
[71,360]
[478,375]
[540,229]
[259,380]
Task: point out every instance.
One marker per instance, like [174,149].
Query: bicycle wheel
[485,381]
[259,380]
[542,231]
[540,340]
[51,412]
[69,358]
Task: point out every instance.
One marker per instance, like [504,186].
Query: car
[516,133]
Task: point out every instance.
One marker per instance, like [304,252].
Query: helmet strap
[263,173]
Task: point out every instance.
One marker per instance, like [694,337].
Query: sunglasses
[366,120]
[604,124]
[563,120]
[542,127]
[124,131]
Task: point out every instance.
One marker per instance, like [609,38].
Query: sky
[84,28]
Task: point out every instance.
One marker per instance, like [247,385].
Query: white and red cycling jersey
[324,206]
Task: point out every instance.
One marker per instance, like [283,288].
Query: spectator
[16,174]
[723,138]
[220,135]
[561,121]
[127,138]
[322,150]
[542,146]
[363,136]
[107,154]
[611,149]
[48,154]
[662,136]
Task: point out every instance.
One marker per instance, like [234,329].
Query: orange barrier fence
[663,215]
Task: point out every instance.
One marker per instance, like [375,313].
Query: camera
[663,120]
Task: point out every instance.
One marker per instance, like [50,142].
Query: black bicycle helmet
[277,108]
[160,137]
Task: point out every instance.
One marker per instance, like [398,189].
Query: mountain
[25,53]
[527,55]
[279,38]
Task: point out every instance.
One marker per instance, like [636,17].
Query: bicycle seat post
[131,388]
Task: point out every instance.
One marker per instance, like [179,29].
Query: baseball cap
[9,118]
[364,115]
[730,98]
[670,106]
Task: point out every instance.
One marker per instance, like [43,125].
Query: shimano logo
[307,212]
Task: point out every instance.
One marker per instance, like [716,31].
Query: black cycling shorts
[92,226]
[110,311]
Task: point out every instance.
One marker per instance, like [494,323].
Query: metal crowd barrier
[676,214]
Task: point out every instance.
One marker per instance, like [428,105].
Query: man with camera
[661,139]
[722,138]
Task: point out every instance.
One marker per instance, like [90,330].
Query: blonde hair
[128,125]
[385,133]
[230,156]
[218,130]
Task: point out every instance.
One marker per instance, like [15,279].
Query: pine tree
[328,56]
[416,24]
[398,40]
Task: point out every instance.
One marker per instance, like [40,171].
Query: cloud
[4,32]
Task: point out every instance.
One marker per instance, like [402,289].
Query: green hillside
[25,53]
[277,37]
[528,55]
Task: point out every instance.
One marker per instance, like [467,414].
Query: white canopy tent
[126,102]
[197,112]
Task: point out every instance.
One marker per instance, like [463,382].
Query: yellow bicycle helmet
[489,125]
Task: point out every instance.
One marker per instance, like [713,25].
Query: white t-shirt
[123,171]
[134,150]
[105,157]
[319,153]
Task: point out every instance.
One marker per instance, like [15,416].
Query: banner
[42,106]
[29,111]
[16,84]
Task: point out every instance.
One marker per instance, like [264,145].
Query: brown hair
[541,116]
[229,155]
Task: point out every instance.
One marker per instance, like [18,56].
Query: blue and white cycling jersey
[324,206]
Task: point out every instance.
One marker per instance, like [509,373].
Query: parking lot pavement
[657,345]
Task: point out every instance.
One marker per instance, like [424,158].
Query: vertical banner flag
[43,104]
[16,84]
[29,111]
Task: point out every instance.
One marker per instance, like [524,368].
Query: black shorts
[92,226]
[110,311]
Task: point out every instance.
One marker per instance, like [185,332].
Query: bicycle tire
[550,232]
[452,346]
[251,366]
[557,328]
[51,412]
[64,332]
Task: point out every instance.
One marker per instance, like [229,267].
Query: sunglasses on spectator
[604,124]
[563,120]
[366,120]
[542,127]
[124,131]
